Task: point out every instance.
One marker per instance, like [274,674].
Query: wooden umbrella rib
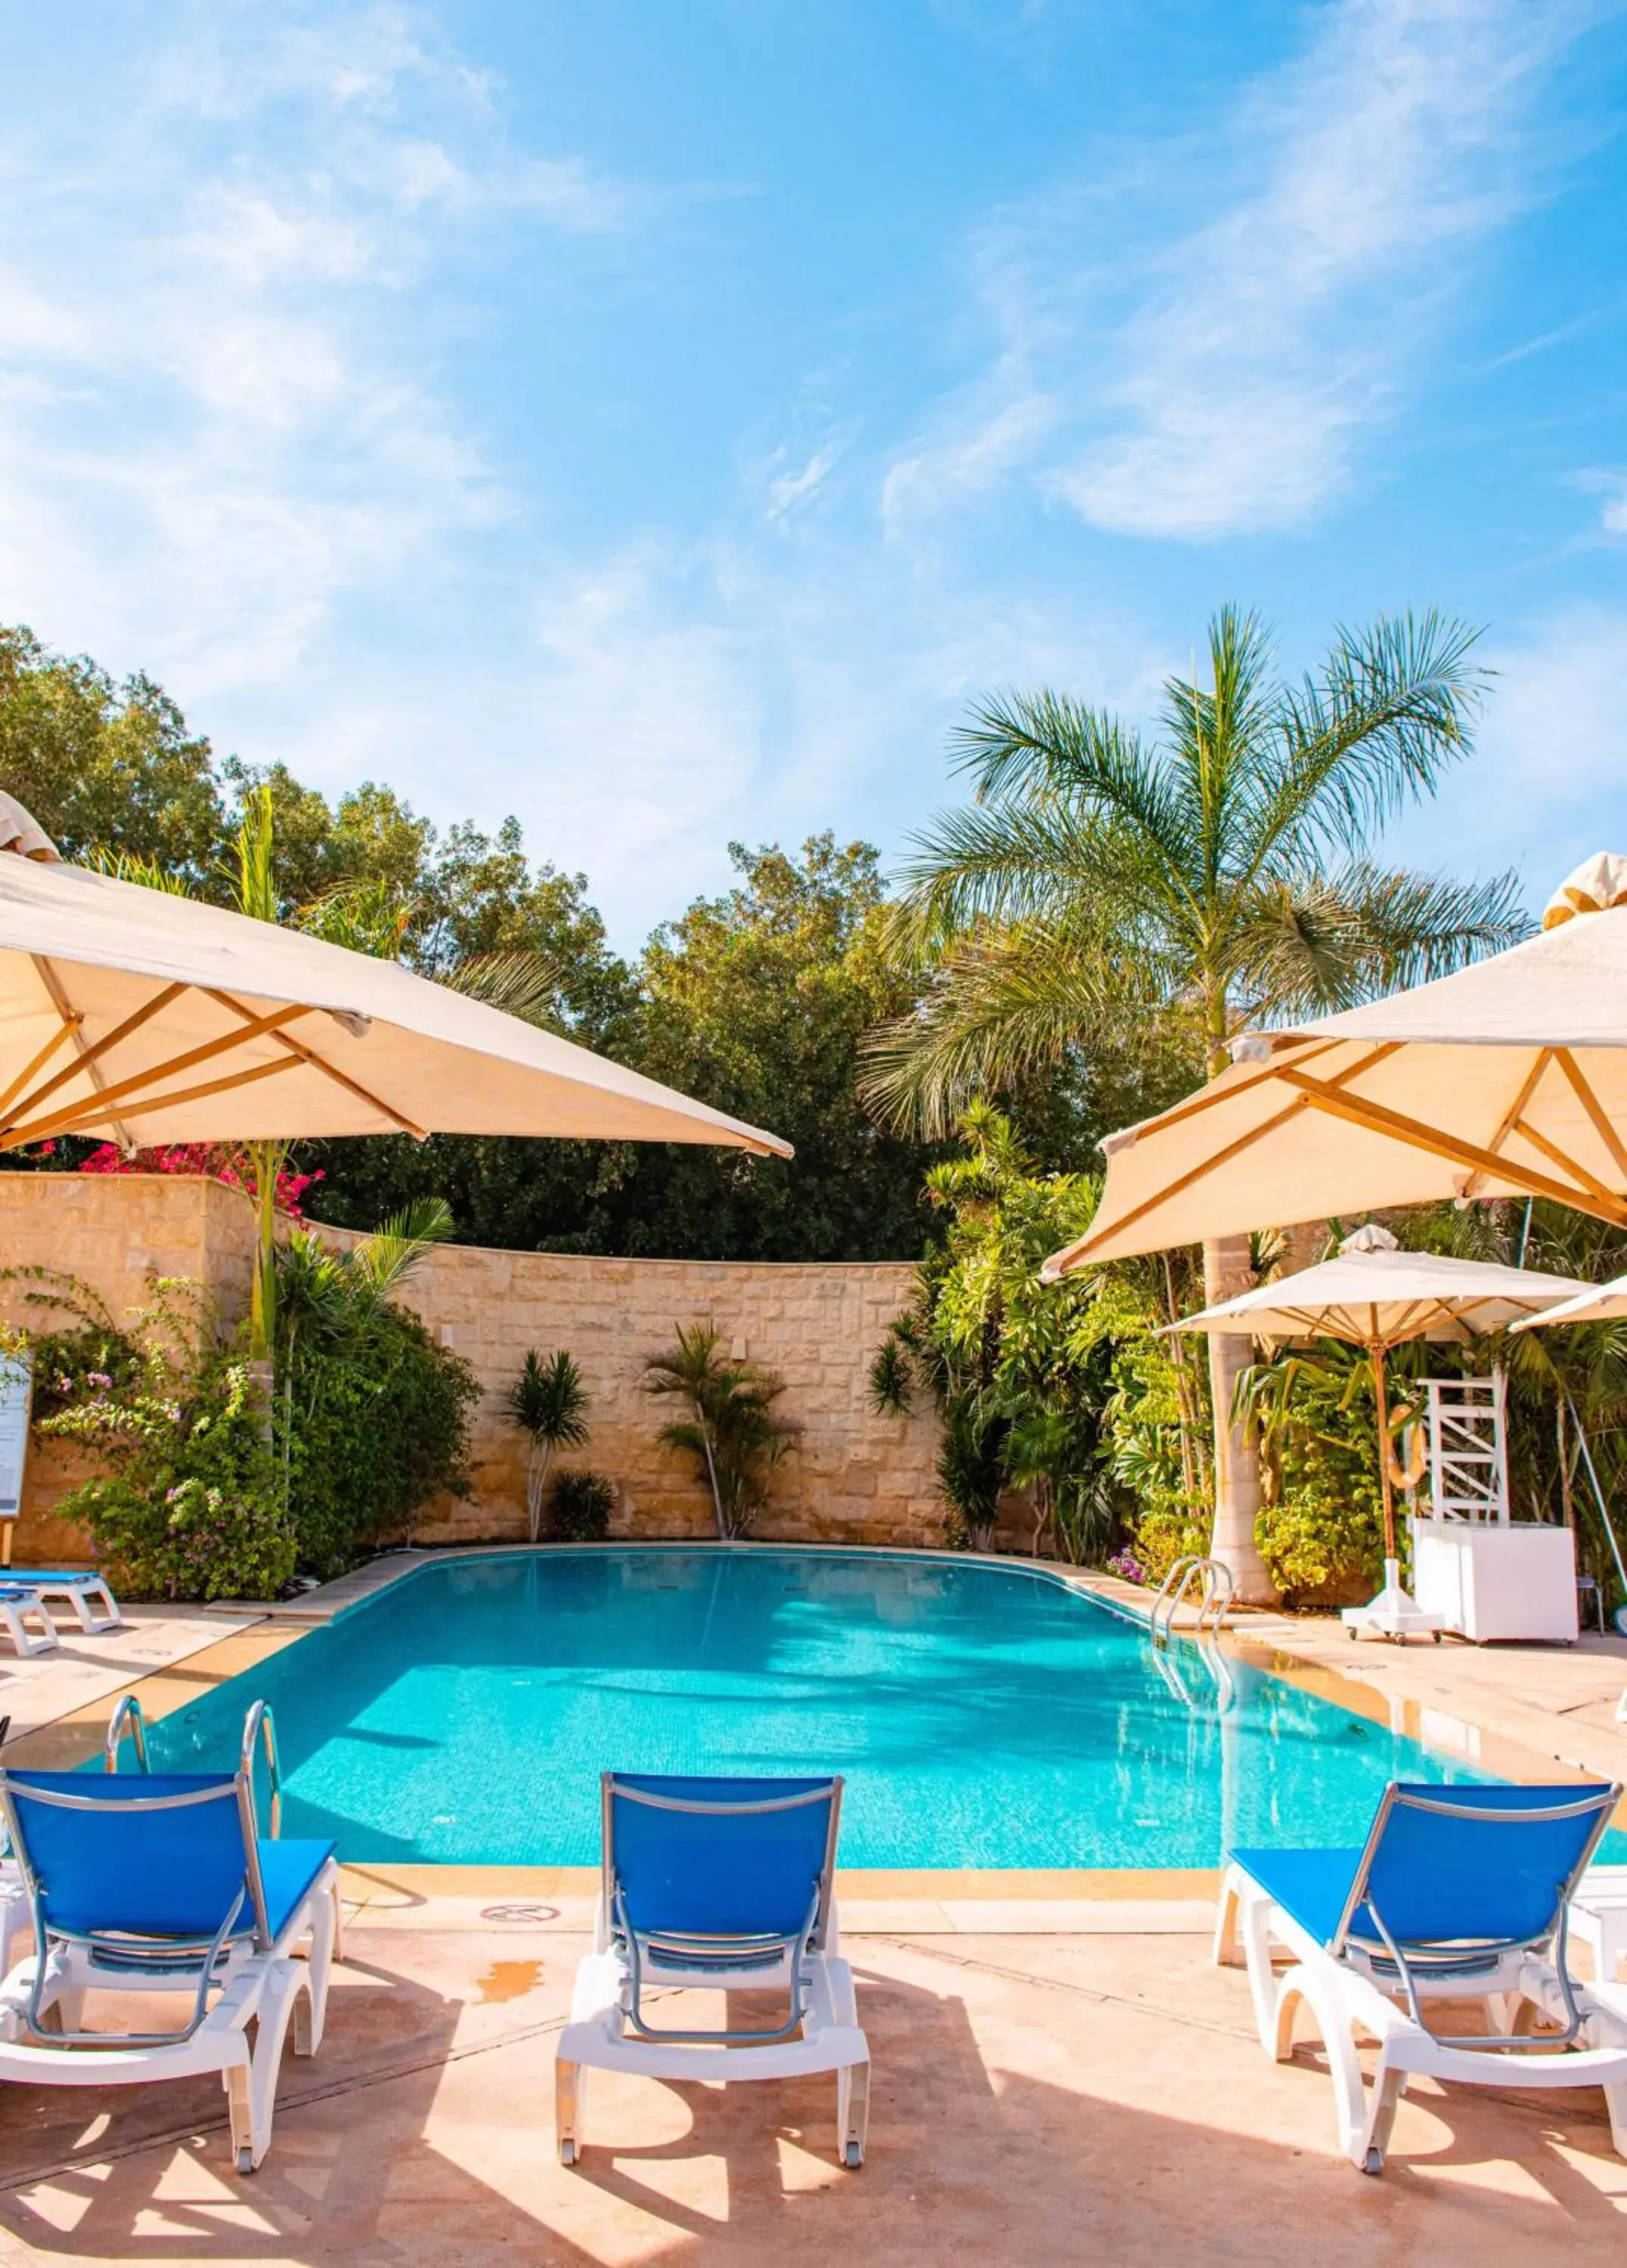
[1596,1110]
[330,1070]
[87,1113]
[1563,1160]
[65,1030]
[1081,1250]
[1208,1095]
[206,1052]
[1076,1252]
[1377,1118]
[1515,1111]
[87,1057]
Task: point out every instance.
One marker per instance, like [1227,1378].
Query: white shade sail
[1506,1080]
[145,1017]
[1372,1295]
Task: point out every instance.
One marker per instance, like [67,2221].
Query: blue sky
[657,418]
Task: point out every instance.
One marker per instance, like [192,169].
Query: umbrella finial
[1370,1238]
[20,832]
[1598,884]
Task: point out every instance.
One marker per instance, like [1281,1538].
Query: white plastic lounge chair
[19,1601]
[81,1588]
[162,1883]
[716,1885]
[1461,1893]
[1599,1918]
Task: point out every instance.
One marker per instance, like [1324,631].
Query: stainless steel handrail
[126,1718]
[1177,1574]
[1218,1591]
[257,1725]
[1216,1573]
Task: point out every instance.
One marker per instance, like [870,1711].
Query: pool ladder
[1218,1591]
[258,1730]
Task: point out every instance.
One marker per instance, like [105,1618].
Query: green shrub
[580,1506]
[1320,1529]
[370,1426]
[188,1506]
[1324,1543]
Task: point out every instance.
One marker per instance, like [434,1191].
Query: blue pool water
[983,1718]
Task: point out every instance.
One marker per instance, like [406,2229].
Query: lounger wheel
[245,2159]
[569,2153]
[1374,2162]
[852,2155]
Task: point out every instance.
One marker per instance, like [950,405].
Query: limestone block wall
[855,1476]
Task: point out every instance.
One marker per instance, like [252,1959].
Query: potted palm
[547,1402]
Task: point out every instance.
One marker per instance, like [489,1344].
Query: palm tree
[1103,892]
[548,1401]
[732,1430]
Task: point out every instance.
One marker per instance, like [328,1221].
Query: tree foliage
[1106,891]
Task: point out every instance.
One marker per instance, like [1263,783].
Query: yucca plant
[732,1429]
[549,1402]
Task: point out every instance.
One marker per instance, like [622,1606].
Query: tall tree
[758,1001]
[106,766]
[1103,890]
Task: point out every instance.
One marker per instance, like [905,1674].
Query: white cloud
[224,419]
[788,492]
[1172,380]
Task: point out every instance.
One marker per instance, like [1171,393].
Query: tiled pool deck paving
[1060,2074]
[1036,2101]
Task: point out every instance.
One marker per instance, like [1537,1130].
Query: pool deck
[1037,2101]
[1060,2074]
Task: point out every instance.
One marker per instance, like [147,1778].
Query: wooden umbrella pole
[1375,1355]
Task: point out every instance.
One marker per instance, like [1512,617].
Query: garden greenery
[187,1504]
[1060,1391]
[203,1492]
[730,1426]
[580,1506]
[371,1415]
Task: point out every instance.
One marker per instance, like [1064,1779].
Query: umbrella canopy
[1372,1295]
[144,1018]
[1601,1303]
[1375,1296]
[1506,1080]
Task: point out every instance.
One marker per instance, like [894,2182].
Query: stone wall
[114,1232]
[855,1476]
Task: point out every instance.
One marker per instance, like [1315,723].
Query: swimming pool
[983,1717]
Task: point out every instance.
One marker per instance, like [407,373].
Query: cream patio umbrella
[146,1018]
[1600,1303]
[1372,1295]
[1506,1080]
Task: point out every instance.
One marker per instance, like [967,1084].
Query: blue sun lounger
[719,1885]
[1459,1893]
[162,1883]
